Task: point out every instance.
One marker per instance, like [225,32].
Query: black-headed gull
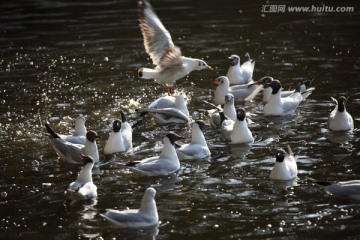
[170,64]
[115,142]
[346,189]
[340,119]
[240,132]
[285,167]
[240,74]
[278,105]
[240,92]
[164,164]
[83,188]
[145,216]
[71,152]
[305,89]
[228,109]
[79,135]
[198,148]
[168,109]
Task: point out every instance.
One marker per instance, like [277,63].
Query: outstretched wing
[157,40]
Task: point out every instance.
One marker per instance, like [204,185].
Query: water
[60,60]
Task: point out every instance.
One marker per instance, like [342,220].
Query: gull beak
[214,82]
[210,68]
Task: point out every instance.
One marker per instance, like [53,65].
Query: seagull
[285,167]
[145,216]
[228,109]
[83,188]
[79,135]
[240,74]
[115,142]
[278,105]
[346,189]
[198,148]
[304,89]
[170,64]
[240,132]
[71,152]
[240,92]
[168,109]
[165,164]
[340,119]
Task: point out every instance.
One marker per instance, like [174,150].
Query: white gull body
[285,167]
[198,148]
[79,135]
[164,164]
[304,89]
[170,64]
[278,105]
[340,119]
[83,188]
[241,132]
[71,152]
[240,92]
[228,109]
[168,109]
[240,74]
[115,142]
[145,216]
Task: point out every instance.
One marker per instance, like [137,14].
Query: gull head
[91,136]
[116,125]
[173,137]
[201,65]
[241,114]
[229,98]
[234,60]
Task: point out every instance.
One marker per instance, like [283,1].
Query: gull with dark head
[170,64]
[278,105]
[145,216]
[70,152]
[240,74]
[285,167]
[304,88]
[340,119]
[241,132]
[83,188]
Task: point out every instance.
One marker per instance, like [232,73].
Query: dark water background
[62,59]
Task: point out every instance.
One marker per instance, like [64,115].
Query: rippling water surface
[59,60]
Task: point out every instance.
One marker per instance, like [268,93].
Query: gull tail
[147,73]
[51,132]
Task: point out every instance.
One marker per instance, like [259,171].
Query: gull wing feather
[157,38]
[166,111]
